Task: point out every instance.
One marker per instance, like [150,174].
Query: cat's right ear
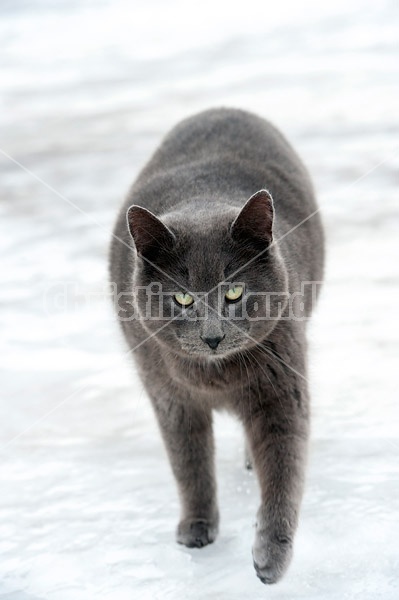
[255,220]
[148,232]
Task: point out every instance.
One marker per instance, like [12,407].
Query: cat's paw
[271,555]
[196,533]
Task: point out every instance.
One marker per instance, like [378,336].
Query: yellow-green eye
[184,299]
[234,293]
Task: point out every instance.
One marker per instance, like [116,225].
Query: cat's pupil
[234,293]
[184,299]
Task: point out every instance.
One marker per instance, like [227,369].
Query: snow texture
[88,506]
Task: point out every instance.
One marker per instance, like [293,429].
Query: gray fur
[196,185]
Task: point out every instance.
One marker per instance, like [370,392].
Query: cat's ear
[255,220]
[148,232]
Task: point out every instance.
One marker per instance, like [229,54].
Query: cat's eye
[234,293]
[183,299]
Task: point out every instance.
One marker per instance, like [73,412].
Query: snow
[88,506]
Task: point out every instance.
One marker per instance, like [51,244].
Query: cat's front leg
[278,442]
[188,437]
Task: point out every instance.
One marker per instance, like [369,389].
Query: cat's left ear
[255,220]
[150,235]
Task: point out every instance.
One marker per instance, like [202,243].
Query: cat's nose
[213,341]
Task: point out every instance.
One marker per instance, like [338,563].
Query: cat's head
[208,283]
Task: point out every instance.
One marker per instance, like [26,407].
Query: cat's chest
[209,379]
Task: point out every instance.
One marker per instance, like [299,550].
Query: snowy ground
[88,506]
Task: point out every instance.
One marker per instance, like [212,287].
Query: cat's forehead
[204,247]
[205,260]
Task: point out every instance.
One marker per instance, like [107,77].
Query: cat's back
[218,138]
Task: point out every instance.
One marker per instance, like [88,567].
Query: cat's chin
[199,354]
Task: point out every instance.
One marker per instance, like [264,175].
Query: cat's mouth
[204,351]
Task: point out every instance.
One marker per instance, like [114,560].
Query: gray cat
[211,288]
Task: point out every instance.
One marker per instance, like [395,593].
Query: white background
[88,505]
